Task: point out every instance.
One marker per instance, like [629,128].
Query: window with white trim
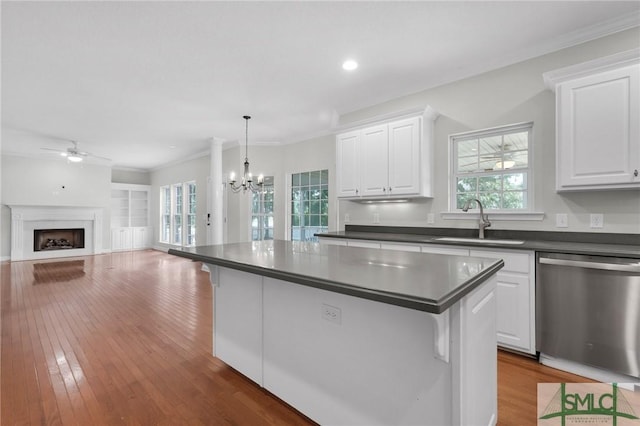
[493,166]
[178,214]
[309,205]
[262,212]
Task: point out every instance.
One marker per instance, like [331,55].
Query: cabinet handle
[389,189]
[635,172]
[384,189]
[356,191]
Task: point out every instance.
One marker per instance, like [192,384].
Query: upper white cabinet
[387,159]
[598,123]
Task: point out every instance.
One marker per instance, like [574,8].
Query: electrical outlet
[597,220]
[562,220]
[331,313]
[347,218]
[431,219]
[376,218]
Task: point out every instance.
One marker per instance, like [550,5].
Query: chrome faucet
[484,219]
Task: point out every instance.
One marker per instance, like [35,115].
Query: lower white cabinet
[142,237]
[120,239]
[516,286]
[516,298]
[130,238]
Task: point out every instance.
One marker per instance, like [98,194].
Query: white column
[217,213]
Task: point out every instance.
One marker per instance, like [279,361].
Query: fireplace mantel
[26,218]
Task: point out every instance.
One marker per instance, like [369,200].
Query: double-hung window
[309,204]
[493,166]
[262,212]
[178,214]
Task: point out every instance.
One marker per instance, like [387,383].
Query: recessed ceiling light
[172,147]
[349,65]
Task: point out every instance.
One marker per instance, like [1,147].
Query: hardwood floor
[126,338]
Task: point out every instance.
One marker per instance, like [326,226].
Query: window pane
[490,145]
[467,184]
[491,200]
[515,181]
[490,183]
[520,159]
[314,178]
[514,200]
[468,148]
[304,179]
[516,141]
[468,164]
[324,177]
[315,207]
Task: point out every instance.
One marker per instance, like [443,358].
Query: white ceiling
[131,80]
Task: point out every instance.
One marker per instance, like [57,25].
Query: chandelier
[247,179]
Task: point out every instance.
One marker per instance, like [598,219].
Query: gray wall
[509,95]
[130,176]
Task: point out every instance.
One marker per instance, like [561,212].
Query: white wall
[279,162]
[509,95]
[47,182]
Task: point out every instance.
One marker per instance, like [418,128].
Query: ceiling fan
[74,155]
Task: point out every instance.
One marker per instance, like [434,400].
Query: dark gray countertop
[426,282]
[574,243]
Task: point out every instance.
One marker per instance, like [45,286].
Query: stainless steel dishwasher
[588,310]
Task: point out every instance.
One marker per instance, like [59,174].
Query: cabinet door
[513,315]
[598,130]
[141,238]
[347,164]
[120,239]
[404,157]
[375,165]
[515,295]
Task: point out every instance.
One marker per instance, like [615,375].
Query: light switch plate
[376,218]
[431,219]
[562,220]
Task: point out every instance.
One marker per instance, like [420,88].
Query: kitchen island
[358,336]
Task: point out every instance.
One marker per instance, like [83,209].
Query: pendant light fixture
[247,178]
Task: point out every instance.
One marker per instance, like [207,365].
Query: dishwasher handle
[623,267]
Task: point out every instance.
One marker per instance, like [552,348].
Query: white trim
[426,112]
[493,216]
[617,60]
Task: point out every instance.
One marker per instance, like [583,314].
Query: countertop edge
[596,249]
[420,304]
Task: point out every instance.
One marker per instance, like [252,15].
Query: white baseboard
[593,373]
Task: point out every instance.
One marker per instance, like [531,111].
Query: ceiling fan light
[74,158]
[507,164]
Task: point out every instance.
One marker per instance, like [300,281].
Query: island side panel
[475,357]
[346,360]
[237,323]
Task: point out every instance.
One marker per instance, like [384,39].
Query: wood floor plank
[126,339]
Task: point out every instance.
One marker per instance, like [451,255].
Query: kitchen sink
[478,240]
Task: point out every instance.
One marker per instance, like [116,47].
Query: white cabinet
[348,164]
[142,237]
[515,293]
[598,123]
[121,238]
[387,159]
[516,298]
[130,217]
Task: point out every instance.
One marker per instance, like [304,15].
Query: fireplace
[58,239]
[26,220]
